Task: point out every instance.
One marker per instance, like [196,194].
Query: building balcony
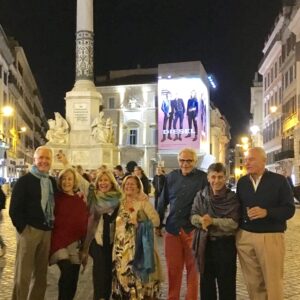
[284,155]
[13,84]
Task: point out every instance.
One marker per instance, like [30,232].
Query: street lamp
[254,129]
[273,109]
[7,111]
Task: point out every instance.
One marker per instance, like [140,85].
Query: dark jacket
[274,194]
[25,205]
[146,185]
[179,192]
[158,184]
[2,199]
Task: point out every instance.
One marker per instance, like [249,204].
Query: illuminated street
[85,291]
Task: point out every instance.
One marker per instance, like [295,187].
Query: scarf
[71,217]
[47,201]
[223,205]
[99,203]
[143,263]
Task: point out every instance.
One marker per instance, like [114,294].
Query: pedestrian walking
[139,172]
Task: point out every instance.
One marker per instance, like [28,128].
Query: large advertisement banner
[183,109]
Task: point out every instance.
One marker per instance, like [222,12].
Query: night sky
[226,35]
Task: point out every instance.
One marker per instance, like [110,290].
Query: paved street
[85,291]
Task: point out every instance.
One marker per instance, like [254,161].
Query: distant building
[26,128]
[280,69]
[256,110]
[134,100]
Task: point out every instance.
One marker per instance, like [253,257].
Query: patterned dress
[126,285]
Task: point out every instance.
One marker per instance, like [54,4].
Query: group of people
[64,222]
[250,223]
[207,226]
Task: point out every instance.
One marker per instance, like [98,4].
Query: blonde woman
[128,282]
[104,200]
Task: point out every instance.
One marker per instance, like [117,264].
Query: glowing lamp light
[254,129]
[7,111]
[23,129]
[273,109]
[237,172]
[169,76]
[245,139]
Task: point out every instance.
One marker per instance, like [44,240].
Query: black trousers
[102,270]
[68,279]
[220,266]
[192,120]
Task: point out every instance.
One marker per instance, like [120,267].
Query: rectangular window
[280,62]
[5,98]
[275,69]
[272,75]
[20,69]
[133,136]
[291,74]
[0,71]
[5,78]
[286,80]
[280,95]
[111,102]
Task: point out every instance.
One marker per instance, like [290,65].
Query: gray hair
[42,148]
[189,150]
[260,151]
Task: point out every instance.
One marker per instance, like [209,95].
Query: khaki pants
[261,257]
[32,255]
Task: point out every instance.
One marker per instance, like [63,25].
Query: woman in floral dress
[127,284]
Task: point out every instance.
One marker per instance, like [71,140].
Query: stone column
[84,41]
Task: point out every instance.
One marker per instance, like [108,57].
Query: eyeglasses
[188,161]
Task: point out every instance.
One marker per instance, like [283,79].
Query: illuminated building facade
[134,99]
[280,70]
[25,129]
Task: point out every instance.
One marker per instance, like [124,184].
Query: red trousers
[178,251]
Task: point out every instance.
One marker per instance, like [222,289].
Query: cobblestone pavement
[85,290]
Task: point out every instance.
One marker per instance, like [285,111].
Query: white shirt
[255,183]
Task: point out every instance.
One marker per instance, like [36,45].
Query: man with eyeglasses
[180,189]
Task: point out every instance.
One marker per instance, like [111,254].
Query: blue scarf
[47,201]
[143,263]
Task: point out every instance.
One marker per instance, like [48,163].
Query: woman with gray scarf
[216,214]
